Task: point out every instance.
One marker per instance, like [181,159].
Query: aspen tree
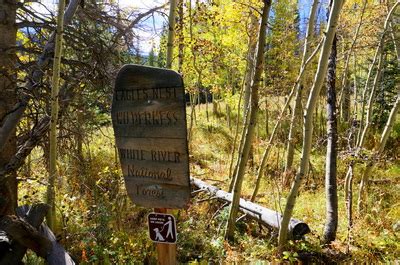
[171,32]
[344,100]
[246,93]
[378,52]
[309,35]
[181,45]
[392,116]
[331,222]
[261,168]
[362,133]
[296,107]
[193,96]
[51,215]
[237,188]
[296,89]
[250,61]
[308,120]
[378,150]
[371,98]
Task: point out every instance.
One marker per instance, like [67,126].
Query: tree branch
[135,21]
[12,119]
[25,234]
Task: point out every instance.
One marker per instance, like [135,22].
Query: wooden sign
[162,228]
[149,119]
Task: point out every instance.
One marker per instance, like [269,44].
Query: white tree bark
[253,29]
[362,133]
[363,129]
[378,150]
[237,188]
[308,120]
[331,222]
[372,96]
[261,168]
[51,214]
[344,100]
[171,32]
[293,125]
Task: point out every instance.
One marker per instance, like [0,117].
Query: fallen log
[58,255]
[265,216]
[24,233]
[33,214]
[31,217]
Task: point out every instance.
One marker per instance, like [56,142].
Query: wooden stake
[166,253]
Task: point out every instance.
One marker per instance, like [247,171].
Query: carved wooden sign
[149,119]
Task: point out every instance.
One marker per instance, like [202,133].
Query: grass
[99,225]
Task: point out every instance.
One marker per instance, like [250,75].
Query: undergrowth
[98,224]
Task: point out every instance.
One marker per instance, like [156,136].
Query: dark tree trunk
[345,107]
[8,31]
[331,153]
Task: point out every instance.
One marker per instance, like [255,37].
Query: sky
[149,35]
[142,4]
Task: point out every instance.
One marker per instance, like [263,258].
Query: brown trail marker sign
[149,120]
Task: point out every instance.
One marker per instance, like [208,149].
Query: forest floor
[99,225]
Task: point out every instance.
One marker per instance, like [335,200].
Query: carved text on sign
[149,120]
[145,94]
[164,174]
[154,155]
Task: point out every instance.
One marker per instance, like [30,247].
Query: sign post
[162,230]
[149,120]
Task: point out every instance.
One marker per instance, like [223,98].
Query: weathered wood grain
[149,121]
[147,194]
